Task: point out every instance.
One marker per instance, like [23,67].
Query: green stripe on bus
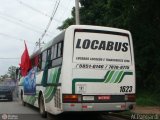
[125,73]
[114,77]
[47,90]
[47,93]
[28,98]
[53,89]
[31,98]
[118,77]
[109,77]
[107,74]
[52,78]
[50,97]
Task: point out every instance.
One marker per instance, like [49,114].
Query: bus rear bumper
[98,106]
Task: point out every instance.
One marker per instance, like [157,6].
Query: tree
[68,21]
[12,72]
[3,77]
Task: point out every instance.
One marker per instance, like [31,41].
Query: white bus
[85,68]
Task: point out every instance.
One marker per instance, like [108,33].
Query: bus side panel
[33,99]
[52,92]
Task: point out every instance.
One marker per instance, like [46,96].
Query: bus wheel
[22,100]
[41,107]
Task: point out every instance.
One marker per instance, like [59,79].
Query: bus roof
[57,39]
[98,28]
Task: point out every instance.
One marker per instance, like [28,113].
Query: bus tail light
[130,97]
[67,98]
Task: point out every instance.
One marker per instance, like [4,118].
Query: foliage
[12,72]
[141,18]
[147,97]
[68,21]
[2,77]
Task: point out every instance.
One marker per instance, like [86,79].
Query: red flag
[25,62]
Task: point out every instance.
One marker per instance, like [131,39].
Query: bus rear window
[92,47]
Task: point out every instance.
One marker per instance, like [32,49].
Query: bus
[84,69]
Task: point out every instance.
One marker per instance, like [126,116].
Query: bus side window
[49,54]
[55,52]
[39,62]
[60,49]
[52,52]
[49,57]
[44,56]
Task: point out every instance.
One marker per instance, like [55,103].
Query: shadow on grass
[148,97]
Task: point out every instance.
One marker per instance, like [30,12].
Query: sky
[26,20]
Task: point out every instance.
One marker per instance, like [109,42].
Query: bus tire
[41,107]
[22,100]
[54,117]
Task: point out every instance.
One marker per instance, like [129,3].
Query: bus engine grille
[57,99]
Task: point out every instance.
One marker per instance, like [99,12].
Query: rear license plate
[88,98]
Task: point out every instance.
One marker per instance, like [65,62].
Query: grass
[148,98]
[145,98]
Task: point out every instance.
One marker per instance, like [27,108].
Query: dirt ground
[146,110]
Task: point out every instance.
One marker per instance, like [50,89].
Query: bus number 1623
[126,89]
